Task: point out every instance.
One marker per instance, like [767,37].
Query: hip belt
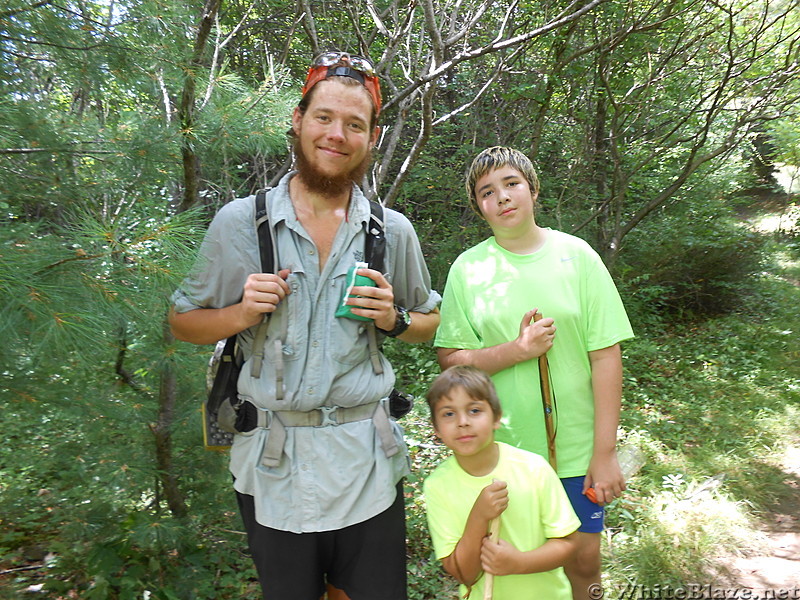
[251,417]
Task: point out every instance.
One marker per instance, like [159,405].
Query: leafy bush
[697,263]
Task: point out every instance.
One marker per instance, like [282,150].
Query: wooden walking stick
[488,579]
[547,405]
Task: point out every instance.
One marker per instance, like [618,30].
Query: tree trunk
[162,432]
[191,187]
[186,110]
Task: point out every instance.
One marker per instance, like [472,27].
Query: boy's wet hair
[498,157]
[476,383]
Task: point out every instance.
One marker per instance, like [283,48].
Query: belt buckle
[328,415]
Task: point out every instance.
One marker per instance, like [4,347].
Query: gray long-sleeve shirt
[334,476]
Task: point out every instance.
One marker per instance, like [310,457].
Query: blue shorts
[590,514]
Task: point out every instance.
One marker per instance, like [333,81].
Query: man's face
[333,137]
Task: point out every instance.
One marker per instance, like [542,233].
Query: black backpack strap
[264,233]
[375,246]
[266,249]
[374,254]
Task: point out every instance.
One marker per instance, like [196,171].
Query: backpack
[219,408]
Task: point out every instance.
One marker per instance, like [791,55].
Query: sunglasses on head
[343,64]
[359,63]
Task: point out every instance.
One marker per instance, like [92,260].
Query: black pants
[366,560]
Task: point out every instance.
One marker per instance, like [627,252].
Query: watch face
[401,322]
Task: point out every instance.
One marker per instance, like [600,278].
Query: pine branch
[62,46]
[53,151]
[64,261]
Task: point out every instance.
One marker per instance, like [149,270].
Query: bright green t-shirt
[488,291]
[538,509]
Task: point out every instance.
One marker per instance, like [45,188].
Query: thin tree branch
[13,13]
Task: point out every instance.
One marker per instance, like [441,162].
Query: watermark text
[688,591]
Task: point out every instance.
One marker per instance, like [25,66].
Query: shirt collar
[357,213]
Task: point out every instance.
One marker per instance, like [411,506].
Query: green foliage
[92,510]
[690,263]
[434,199]
[86,285]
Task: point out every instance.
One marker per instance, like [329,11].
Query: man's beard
[322,183]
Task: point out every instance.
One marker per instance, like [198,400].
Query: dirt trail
[778,567]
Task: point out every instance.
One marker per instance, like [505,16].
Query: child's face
[505,200]
[465,424]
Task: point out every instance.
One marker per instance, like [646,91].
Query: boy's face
[465,424]
[505,200]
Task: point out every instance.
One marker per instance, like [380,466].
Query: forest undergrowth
[713,402]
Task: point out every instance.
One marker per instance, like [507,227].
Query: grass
[715,405]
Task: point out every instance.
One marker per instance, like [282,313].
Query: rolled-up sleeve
[227,256]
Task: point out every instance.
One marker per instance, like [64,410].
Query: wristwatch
[401,323]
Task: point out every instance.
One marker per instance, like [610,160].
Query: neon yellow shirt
[489,290]
[538,509]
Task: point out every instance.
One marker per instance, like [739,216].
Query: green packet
[345,310]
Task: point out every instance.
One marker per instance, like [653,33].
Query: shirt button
[315,344]
[310,391]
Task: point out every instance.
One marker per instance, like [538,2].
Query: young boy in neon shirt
[486,480]
[494,291]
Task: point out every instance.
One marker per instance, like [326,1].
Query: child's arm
[502,558]
[534,339]
[604,472]
[464,563]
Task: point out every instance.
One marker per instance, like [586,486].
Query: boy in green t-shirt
[486,480]
[488,320]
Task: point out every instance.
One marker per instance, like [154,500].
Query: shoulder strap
[266,249]
[375,246]
[374,253]
[264,233]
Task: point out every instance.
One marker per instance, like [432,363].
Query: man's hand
[535,337]
[376,303]
[262,294]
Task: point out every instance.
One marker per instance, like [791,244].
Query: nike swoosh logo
[566,258]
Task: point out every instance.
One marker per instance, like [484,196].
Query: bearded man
[319,480]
